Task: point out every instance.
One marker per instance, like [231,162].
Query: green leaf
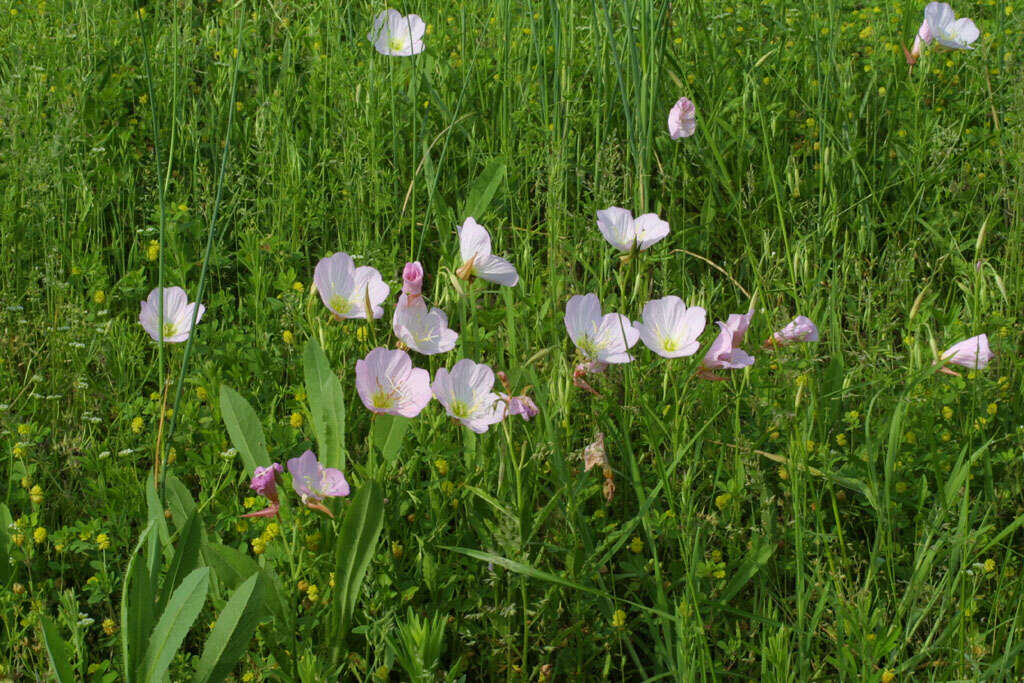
[235,627]
[355,547]
[244,429]
[326,405]
[56,651]
[755,560]
[179,501]
[6,568]
[174,624]
[482,191]
[155,511]
[388,432]
[136,608]
[186,558]
[229,565]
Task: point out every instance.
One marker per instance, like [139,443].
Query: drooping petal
[973,353]
[497,270]
[474,241]
[682,119]
[616,225]
[800,329]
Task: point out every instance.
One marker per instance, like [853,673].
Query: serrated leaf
[326,405]
[235,627]
[174,624]
[244,429]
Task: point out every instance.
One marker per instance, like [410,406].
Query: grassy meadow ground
[838,511]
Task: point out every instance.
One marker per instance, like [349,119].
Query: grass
[838,511]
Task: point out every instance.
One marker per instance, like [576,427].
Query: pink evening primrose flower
[388,383]
[682,119]
[396,35]
[264,482]
[800,329]
[941,25]
[725,352]
[972,353]
[601,339]
[625,232]
[421,329]
[347,291]
[465,392]
[313,482]
[669,328]
[477,259]
[177,322]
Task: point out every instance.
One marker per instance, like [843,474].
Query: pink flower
[625,233]
[604,339]
[396,35]
[972,353]
[347,291]
[725,353]
[682,119]
[313,482]
[421,329]
[800,329]
[388,383]
[264,482]
[477,259]
[177,321]
[941,25]
[466,395]
[669,328]
[412,279]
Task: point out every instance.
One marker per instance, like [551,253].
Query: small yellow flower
[35,494]
[239,106]
[361,333]
[201,393]
[296,420]
[619,618]
[288,337]
[990,565]
[298,287]
[258,546]
[18,539]
[137,423]
[18,451]
[888,676]
[910,438]
[783,474]
[272,531]
[866,32]
[300,395]
[722,500]
[716,555]
[99,296]
[313,542]
[841,439]
[249,502]
[313,592]
[24,429]
[39,535]
[992,409]
[636,546]
[153,250]
[946,436]
[947,412]
[248,677]
[441,465]
[102,541]
[109,626]
[718,574]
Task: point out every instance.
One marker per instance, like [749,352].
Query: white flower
[943,26]
[624,232]
[347,291]
[477,259]
[176,325]
[800,329]
[682,119]
[422,329]
[604,339]
[396,35]
[669,328]
[466,395]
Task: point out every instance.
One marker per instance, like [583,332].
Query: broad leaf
[230,638]
[356,544]
[244,429]
[56,651]
[174,624]
[326,406]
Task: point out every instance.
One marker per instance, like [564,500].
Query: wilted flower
[177,321]
[625,232]
[725,352]
[388,383]
[800,329]
[604,339]
[682,119]
[521,405]
[973,353]
[466,395]
[595,455]
[347,291]
[396,35]
[477,259]
[940,24]
[669,328]
[313,482]
[264,482]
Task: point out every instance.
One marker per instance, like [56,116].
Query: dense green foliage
[837,511]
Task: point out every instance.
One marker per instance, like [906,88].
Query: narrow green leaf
[186,558]
[229,565]
[179,501]
[155,511]
[355,547]
[326,405]
[56,651]
[388,433]
[6,568]
[755,560]
[136,608]
[482,191]
[174,624]
[244,429]
[235,627]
